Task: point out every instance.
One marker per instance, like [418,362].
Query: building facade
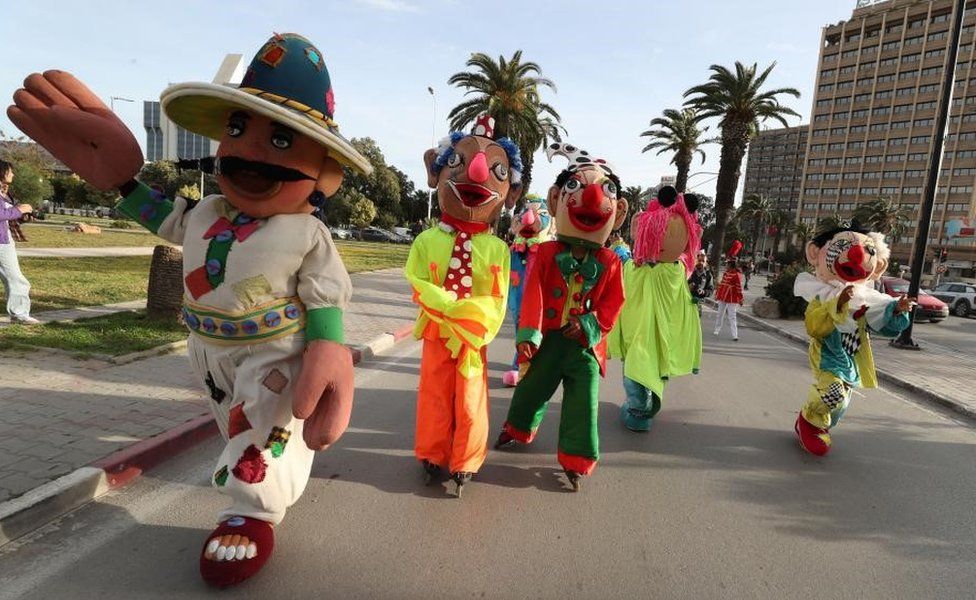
[167,141]
[775,166]
[878,84]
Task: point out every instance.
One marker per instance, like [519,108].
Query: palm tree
[740,102]
[884,216]
[803,233]
[635,204]
[678,132]
[757,209]
[783,222]
[508,90]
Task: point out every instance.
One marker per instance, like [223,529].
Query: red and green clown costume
[570,302]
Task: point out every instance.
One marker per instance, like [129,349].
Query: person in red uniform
[571,300]
[729,293]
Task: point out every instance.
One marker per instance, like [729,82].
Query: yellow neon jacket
[465,325]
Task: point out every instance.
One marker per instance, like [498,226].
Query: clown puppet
[571,300]
[844,310]
[658,335]
[531,226]
[264,285]
[459,272]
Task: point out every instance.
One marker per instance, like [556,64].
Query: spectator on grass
[15,284]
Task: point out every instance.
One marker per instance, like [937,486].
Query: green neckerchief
[589,268]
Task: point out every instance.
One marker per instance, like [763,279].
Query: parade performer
[571,300]
[843,310]
[530,226]
[265,287]
[728,295]
[658,335]
[459,272]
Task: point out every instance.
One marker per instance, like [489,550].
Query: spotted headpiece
[577,157]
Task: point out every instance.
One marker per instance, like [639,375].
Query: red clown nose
[593,196]
[856,254]
[478,169]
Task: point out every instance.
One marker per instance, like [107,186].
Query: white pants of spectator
[729,310]
[265,465]
[14,283]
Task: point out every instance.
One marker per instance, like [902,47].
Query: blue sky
[617,64]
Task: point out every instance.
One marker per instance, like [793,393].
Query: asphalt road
[955,333]
[717,501]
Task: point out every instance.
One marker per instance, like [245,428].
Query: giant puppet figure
[264,286]
[658,335]
[531,226]
[843,310]
[571,300]
[459,272]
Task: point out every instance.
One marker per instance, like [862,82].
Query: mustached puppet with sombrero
[265,287]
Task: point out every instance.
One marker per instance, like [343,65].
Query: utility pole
[905,340]
[433,141]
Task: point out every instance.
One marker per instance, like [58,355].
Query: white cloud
[390,5]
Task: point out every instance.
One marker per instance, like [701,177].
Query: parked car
[961,297]
[929,307]
[376,234]
[340,234]
[404,233]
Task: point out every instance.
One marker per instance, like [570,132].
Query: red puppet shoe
[236,550]
[813,439]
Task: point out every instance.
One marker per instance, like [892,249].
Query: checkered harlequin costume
[840,343]
[256,291]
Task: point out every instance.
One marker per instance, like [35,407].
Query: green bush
[780,288]
[121,224]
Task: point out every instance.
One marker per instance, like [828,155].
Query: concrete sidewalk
[937,372]
[101,251]
[60,413]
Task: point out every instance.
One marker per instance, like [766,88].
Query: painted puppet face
[587,205]
[475,181]
[278,170]
[850,257]
[533,220]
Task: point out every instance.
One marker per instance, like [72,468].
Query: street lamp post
[112,99]
[905,340]
[702,183]
[433,141]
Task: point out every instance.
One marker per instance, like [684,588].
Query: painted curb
[51,500]
[885,375]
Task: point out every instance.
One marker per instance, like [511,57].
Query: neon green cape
[658,334]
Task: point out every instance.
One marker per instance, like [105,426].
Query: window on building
[938,35]
[921,139]
[871,175]
[827,73]
[872,159]
[887,62]
[910,58]
[865,81]
[858,128]
[819,132]
[882,94]
[911,189]
[840,115]
[848,53]
[829,57]
[831,176]
[900,124]
[914,173]
[859,113]
[911,41]
[848,192]
[895,158]
[817,147]
[834,162]
[851,175]
[908,74]
[855,145]
[891,45]
[928,88]
[961,189]
[888,190]
[838,131]
[820,118]
[843,85]
[940,18]
[918,156]
[923,122]
[868,191]
[852,160]
[931,71]
[879,127]
[842,100]
[886,78]
[862,98]
[935,53]
[909,91]
[847,70]
[823,103]
[826,87]
[925,105]
[881,110]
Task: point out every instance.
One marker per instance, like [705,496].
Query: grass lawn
[372,256]
[58,283]
[114,335]
[41,236]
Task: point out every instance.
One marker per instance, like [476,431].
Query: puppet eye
[610,190]
[235,126]
[501,171]
[281,140]
[572,185]
[454,160]
[871,250]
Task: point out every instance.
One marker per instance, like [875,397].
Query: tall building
[775,166]
[878,85]
[167,141]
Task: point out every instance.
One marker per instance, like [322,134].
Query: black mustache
[229,165]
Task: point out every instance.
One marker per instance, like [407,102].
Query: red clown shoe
[236,550]
[814,440]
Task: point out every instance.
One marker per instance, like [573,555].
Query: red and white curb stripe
[55,498]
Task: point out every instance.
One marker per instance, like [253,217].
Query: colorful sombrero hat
[287,81]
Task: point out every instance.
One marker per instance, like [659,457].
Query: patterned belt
[262,323]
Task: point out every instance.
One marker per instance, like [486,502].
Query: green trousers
[561,360]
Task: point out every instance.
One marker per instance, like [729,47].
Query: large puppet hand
[526,350]
[65,117]
[844,297]
[323,393]
[905,304]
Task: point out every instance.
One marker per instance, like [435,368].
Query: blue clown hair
[445,150]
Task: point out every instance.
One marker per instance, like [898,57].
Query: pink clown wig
[652,224]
